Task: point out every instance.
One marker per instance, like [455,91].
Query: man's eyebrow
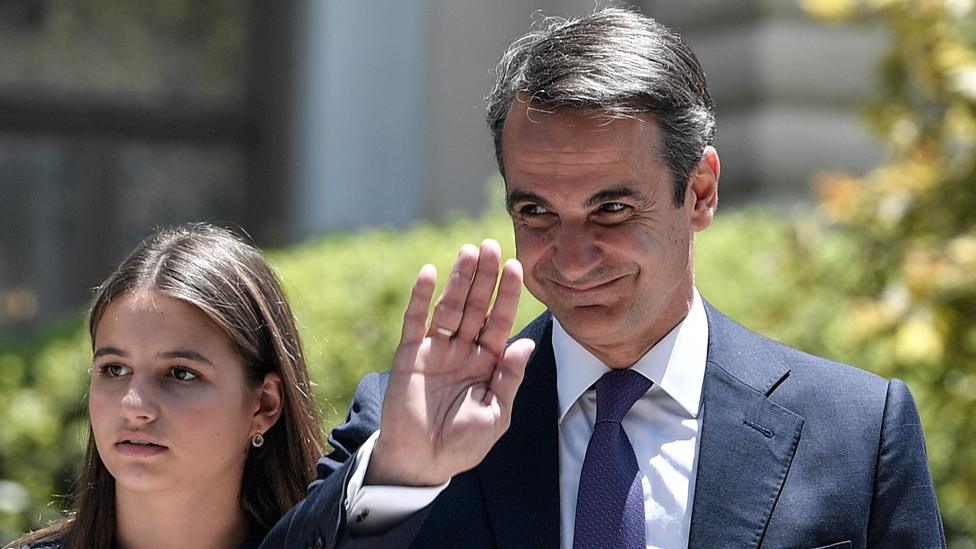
[518,195]
[102,351]
[610,195]
[185,354]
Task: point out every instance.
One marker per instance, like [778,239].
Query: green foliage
[42,420]
[912,311]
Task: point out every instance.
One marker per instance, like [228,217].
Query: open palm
[453,381]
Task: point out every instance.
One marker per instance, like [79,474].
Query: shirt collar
[676,363]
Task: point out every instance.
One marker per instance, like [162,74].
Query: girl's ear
[268,408]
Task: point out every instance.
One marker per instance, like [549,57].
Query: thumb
[509,373]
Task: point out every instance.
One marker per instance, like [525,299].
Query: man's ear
[268,408]
[701,199]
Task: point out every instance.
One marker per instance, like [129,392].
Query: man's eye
[612,207]
[532,209]
[184,374]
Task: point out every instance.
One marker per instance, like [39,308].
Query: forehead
[578,144]
[150,318]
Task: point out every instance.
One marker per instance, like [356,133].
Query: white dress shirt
[663,428]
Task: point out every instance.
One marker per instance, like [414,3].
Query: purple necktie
[610,503]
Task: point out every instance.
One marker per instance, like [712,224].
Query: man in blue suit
[631,413]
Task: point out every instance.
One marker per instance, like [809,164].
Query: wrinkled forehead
[532,129]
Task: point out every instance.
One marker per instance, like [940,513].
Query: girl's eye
[183,374]
[116,370]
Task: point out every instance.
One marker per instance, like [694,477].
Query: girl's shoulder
[36,544]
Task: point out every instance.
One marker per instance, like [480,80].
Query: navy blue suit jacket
[795,451]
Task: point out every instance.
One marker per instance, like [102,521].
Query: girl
[203,428]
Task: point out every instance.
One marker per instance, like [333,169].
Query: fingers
[482,288]
[510,372]
[450,306]
[415,317]
[499,324]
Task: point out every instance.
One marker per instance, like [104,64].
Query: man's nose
[139,403]
[576,252]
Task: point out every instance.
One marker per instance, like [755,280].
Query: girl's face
[168,401]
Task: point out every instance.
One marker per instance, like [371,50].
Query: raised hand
[453,381]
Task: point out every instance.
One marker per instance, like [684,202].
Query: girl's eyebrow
[185,354]
[178,353]
[109,351]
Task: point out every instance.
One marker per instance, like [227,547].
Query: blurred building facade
[295,118]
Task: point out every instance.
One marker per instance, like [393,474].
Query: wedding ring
[445,332]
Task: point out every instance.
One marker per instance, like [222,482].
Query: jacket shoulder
[764,363]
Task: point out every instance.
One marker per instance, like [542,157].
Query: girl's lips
[139,450]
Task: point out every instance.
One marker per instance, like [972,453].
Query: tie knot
[616,393]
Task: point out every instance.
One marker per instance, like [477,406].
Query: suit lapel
[520,476]
[746,448]
[747,440]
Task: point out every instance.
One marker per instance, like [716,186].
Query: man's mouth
[586,287]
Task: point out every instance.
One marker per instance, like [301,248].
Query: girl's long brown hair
[231,282]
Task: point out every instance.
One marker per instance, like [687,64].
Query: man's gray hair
[617,63]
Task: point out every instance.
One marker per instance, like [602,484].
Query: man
[645,416]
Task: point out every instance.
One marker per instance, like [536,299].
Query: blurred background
[296,118]
[348,138]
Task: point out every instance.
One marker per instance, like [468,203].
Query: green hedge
[788,278]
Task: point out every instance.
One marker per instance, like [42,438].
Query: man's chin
[586,322]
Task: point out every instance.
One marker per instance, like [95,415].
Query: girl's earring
[257,440]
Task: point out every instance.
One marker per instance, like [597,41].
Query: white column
[360,116]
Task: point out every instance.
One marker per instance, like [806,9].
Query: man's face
[602,244]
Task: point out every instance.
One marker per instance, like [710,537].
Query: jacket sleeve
[904,511]
[319,519]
